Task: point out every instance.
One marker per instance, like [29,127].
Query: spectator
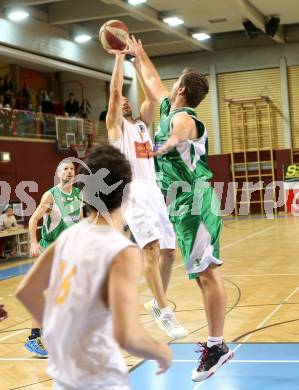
[40,96]
[47,104]
[8,90]
[1,101]
[8,86]
[25,98]
[103,114]
[85,108]
[7,221]
[71,106]
[1,86]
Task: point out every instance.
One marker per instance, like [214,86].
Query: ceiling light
[17,15]
[201,36]
[82,38]
[173,21]
[136,2]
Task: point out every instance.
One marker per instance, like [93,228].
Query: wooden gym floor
[261,274]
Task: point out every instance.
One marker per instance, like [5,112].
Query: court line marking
[23,359]
[174,361]
[268,317]
[226,246]
[13,334]
[231,361]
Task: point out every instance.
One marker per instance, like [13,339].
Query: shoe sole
[28,349]
[224,359]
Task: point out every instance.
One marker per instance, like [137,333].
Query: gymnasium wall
[246,73]
[30,161]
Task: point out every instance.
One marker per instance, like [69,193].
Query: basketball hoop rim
[80,149]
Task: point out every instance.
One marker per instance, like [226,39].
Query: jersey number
[66,283]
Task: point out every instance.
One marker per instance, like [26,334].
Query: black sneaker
[210,360]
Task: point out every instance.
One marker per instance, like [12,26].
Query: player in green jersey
[60,207]
[183,175]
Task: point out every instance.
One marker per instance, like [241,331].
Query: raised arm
[147,109]
[31,289]
[123,299]
[149,73]
[114,118]
[44,207]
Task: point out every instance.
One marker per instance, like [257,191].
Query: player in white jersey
[146,213]
[92,273]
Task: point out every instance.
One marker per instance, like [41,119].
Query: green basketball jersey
[65,212]
[188,160]
[195,209]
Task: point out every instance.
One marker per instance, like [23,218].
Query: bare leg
[152,273]
[167,257]
[214,296]
[35,324]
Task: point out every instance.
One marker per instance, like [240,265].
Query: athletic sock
[166,310]
[214,341]
[35,333]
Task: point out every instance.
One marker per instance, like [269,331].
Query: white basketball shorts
[146,214]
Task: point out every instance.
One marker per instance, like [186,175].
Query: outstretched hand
[134,47]
[115,52]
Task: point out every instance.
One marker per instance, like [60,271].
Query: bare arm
[123,298]
[31,290]
[183,129]
[147,109]
[114,118]
[149,73]
[45,205]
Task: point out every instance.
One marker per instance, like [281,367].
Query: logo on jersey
[142,128]
[143,149]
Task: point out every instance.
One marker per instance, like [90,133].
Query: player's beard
[127,114]
[68,181]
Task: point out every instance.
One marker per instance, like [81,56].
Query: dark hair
[111,159]
[196,86]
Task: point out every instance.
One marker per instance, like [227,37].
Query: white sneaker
[166,320]
[170,325]
[153,309]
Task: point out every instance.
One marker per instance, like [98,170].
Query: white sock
[155,303]
[214,341]
[166,310]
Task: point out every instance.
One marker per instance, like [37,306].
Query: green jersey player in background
[182,170]
[60,208]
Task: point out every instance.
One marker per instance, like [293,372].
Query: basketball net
[80,149]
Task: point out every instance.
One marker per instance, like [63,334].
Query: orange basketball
[113,35]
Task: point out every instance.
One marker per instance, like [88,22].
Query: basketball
[113,35]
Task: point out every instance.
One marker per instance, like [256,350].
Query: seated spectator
[7,221]
[71,106]
[85,108]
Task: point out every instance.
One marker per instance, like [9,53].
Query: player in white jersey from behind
[92,273]
[146,213]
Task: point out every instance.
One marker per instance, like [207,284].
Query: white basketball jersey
[136,144]
[78,328]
